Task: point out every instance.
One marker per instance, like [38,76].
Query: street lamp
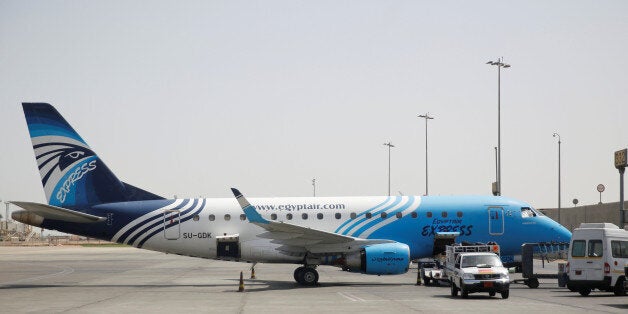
[558,135]
[390,145]
[500,64]
[426,117]
[314,186]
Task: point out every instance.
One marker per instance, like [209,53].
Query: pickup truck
[476,269]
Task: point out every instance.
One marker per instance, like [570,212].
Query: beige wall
[571,217]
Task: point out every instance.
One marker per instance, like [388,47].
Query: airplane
[377,235]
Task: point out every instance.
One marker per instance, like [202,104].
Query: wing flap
[297,239]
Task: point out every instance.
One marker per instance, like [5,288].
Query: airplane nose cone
[562,233]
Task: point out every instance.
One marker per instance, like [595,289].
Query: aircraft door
[172,226]
[495,220]
[228,247]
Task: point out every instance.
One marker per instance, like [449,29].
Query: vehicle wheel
[297,274]
[463,292]
[492,293]
[571,288]
[584,291]
[308,276]
[620,289]
[454,290]
[505,294]
[532,283]
[426,281]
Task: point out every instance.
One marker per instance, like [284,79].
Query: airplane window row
[319,216]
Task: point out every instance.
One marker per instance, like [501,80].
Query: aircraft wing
[58,213]
[302,239]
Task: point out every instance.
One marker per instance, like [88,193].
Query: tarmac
[74,279]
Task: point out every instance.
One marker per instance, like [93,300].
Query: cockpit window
[527,212]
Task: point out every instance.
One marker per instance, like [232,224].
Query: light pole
[558,135]
[314,186]
[390,145]
[426,117]
[500,64]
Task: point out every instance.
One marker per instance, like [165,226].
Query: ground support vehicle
[545,251]
[476,268]
[597,257]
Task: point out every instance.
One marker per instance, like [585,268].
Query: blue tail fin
[71,173]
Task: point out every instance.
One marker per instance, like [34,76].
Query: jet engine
[380,259]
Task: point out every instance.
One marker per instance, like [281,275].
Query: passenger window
[242,217]
[369,215]
[289,216]
[338,216]
[227,217]
[619,249]
[429,214]
[196,218]
[212,217]
[414,215]
[353,215]
[578,248]
[444,214]
[319,216]
[399,215]
[527,212]
[384,215]
[595,248]
[273,216]
[459,214]
[304,216]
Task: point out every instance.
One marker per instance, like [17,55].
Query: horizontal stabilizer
[58,213]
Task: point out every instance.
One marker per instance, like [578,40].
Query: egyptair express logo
[73,177]
[63,157]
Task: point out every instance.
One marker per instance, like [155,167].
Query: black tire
[426,281]
[463,292]
[620,289]
[532,283]
[454,290]
[505,294]
[571,288]
[308,276]
[297,274]
[584,291]
[492,293]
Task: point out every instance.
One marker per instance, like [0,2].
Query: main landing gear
[306,275]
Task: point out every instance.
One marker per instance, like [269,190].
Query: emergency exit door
[172,226]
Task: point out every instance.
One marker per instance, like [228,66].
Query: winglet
[249,210]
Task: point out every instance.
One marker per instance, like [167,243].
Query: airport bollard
[253,273]
[418,277]
[241,287]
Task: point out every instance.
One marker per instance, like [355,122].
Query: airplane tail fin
[71,173]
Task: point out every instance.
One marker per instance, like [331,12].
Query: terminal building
[572,217]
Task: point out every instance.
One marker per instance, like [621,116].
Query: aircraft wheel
[454,290]
[308,276]
[297,274]
[505,294]
[620,289]
[584,291]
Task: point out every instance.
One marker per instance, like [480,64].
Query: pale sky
[194,97]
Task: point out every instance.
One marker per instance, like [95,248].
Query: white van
[597,255]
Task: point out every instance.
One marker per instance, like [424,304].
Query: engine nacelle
[380,259]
